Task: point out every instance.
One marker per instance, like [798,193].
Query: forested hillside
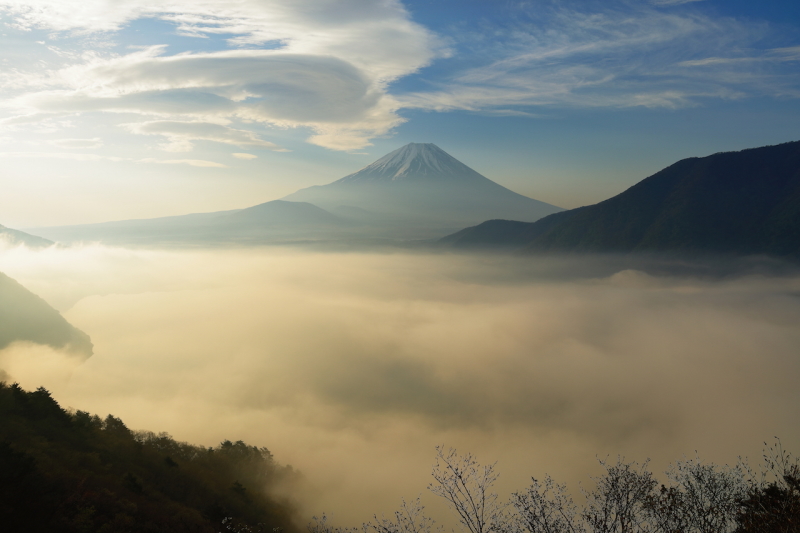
[75,472]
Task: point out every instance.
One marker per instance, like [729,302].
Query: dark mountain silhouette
[744,202]
[73,472]
[13,236]
[26,317]
[420,190]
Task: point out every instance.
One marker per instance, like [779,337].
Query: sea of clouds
[352,366]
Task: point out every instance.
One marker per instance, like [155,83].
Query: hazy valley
[353,365]
[311,266]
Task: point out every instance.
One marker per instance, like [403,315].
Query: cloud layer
[330,66]
[320,65]
[353,366]
[615,55]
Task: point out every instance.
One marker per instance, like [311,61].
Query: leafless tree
[701,498]
[408,519]
[772,503]
[617,503]
[321,525]
[467,488]
[546,508]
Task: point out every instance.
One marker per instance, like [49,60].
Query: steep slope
[424,190]
[744,202]
[414,162]
[69,471]
[502,233]
[15,237]
[26,317]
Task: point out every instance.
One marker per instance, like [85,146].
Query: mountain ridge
[15,237]
[273,219]
[416,192]
[743,202]
[421,186]
[25,316]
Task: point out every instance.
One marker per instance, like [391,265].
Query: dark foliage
[698,498]
[75,472]
[772,504]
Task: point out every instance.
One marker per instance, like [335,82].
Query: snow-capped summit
[413,162]
[418,191]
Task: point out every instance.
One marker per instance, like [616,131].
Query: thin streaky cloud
[776,55]
[672,2]
[93,143]
[191,162]
[61,155]
[115,159]
[181,134]
[621,55]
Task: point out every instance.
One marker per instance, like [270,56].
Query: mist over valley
[370,340]
[399,266]
[352,366]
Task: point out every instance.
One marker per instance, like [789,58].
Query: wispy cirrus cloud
[96,157]
[775,55]
[181,134]
[330,66]
[616,54]
[672,2]
[78,143]
[190,162]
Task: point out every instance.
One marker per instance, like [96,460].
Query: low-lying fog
[353,366]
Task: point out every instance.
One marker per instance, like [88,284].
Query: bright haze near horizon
[352,365]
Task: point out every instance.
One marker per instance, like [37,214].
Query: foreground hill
[74,472]
[744,202]
[26,317]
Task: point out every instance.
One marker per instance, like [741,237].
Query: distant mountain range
[415,192]
[14,237]
[276,220]
[26,317]
[745,202]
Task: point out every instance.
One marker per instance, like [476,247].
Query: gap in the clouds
[154,31]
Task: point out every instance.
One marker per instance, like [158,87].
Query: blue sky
[135,109]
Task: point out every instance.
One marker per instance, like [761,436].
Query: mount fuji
[420,190]
[416,192]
